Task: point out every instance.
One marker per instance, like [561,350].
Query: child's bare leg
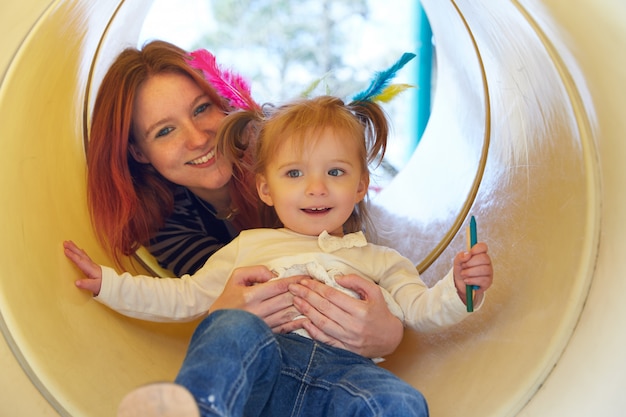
[164,399]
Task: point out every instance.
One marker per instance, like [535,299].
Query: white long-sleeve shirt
[190,297]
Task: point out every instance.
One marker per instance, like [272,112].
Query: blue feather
[381,79]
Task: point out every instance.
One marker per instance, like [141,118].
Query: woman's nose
[196,137]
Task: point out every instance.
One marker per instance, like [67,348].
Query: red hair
[129,201]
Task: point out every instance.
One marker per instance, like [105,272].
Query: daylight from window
[284,46]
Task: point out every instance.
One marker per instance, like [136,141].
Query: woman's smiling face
[174,125]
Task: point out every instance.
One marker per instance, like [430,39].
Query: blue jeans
[236,366]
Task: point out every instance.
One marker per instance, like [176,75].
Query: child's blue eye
[336,172]
[294,173]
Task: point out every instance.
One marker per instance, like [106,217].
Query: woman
[154,180]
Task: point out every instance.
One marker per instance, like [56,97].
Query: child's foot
[163,399]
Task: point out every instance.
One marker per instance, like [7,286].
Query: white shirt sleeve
[168,299]
[425,309]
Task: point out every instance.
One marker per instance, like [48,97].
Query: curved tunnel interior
[521,102]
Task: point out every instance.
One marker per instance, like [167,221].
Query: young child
[312,169]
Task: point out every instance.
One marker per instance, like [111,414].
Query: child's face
[316,188]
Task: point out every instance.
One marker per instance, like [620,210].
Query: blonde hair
[299,121]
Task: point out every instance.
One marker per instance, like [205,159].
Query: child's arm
[473,268]
[433,308]
[151,298]
[93,271]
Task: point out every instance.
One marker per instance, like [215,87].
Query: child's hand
[473,268]
[92,270]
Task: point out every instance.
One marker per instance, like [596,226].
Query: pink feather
[228,84]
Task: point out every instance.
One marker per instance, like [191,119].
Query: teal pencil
[472,238]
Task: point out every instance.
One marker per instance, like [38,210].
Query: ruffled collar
[329,243]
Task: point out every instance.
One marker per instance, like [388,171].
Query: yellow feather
[391,91]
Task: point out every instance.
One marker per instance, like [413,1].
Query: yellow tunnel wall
[533,91]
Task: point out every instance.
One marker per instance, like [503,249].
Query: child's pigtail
[374,120]
[236,141]
[237,134]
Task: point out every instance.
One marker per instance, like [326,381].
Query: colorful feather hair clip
[306,93]
[379,89]
[230,85]
[390,92]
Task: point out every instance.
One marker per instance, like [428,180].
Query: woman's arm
[364,326]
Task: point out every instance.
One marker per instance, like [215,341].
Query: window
[283,46]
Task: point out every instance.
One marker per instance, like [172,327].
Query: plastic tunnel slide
[526,134]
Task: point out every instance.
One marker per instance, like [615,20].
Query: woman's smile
[209,156]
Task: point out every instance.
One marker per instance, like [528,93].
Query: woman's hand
[93,271]
[364,326]
[250,289]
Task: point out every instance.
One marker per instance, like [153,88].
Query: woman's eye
[201,108]
[164,131]
[294,173]
[335,172]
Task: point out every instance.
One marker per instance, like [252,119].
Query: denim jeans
[236,366]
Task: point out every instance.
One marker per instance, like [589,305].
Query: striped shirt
[190,235]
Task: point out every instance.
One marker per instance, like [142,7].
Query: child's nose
[316,186]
